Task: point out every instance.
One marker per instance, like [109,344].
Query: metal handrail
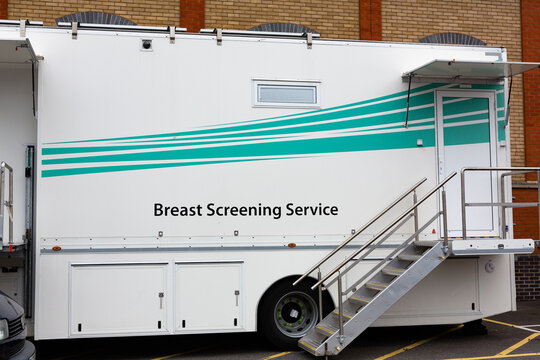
[390,226]
[388,257]
[502,204]
[373,248]
[8,204]
[359,231]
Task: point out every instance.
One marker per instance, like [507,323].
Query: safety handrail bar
[502,203]
[8,203]
[388,227]
[356,233]
[373,248]
[389,256]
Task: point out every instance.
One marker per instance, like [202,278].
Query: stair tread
[309,345]
[392,271]
[409,257]
[345,314]
[360,299]
[427,243]
[326,328]
[376,285]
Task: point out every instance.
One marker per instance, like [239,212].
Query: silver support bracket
[172,34]
[309,39]
[22,27]
[408,99]
[74,27]
[219,33]
[507,114]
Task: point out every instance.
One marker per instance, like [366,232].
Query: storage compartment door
[118,299]
[208,296]
[451,289]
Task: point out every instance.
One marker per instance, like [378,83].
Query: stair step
[361,300]
[309,345]
[327,329]
[409,257]
[426,243]
[393,272]
[376,286]
[346,315]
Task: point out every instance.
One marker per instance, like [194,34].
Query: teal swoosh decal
[374,124]
[400,140]
[318,115]
[105,169]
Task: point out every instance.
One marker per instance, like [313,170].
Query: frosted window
[287,94]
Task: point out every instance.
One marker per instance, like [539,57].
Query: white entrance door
[466,137]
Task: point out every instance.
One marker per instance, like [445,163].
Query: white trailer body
[175,185]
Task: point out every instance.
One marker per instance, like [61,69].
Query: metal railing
[379,238]
[362,229]
[502,204]
[6,203]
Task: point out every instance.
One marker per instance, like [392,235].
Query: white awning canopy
[16,51]
[467,71]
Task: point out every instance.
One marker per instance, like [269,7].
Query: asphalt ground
[513,335]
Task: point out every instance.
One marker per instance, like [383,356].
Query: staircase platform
[489,246]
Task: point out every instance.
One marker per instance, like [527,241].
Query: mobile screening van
[157,182]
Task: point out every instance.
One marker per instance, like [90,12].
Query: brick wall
[527,277]
[141,12]
[330,18]
[497,23]
[526,219]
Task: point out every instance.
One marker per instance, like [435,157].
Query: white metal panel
[458,297]
[118,298]
[208,296]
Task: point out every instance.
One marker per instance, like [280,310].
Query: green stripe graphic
[375,124]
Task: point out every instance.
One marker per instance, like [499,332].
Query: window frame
[285,105]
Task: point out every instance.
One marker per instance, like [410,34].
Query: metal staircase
[381,287]
[372,299]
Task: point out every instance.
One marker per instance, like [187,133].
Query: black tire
[287,313]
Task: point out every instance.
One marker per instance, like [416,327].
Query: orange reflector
[56,248]
[291,245]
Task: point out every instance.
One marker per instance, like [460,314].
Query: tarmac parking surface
[513,335]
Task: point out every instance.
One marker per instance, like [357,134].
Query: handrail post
[445,220]
[415,200]
[340,307]
[503,209]
[319,276]
[6,203]
[10,206]
[2,185]
[463,213]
